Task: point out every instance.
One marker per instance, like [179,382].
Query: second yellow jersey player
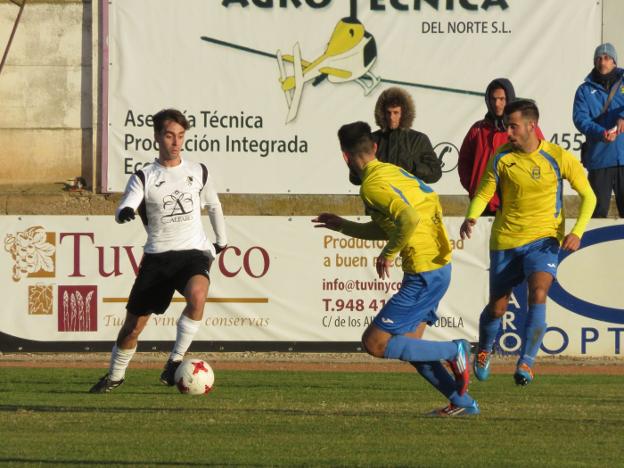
[528,230]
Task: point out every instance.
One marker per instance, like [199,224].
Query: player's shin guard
[120,358]
[186,330]
[437,375]
[488,328]
[415,350]
[534,333]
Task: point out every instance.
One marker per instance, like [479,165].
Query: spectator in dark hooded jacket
[397,143]
[484,137]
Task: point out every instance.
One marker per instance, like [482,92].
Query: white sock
[120,358]
[187,328]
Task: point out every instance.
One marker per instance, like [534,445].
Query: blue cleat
[453,410]
[523,375]
[460,366]
[481,365]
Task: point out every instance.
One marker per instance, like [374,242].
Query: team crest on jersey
[536,173]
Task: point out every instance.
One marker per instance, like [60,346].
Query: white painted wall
[46,97]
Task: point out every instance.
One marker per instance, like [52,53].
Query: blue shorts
[509,268]
[417,301]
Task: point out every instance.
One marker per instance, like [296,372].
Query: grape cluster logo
[33,252]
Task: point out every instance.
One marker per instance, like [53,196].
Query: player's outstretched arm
[465,231]
[369,231]
[328,221]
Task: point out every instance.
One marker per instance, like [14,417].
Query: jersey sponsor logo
[386,320]
[178,207]
[189,180]
[158,184]
[551,265]
[593,91]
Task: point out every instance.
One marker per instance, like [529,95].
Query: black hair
[526,107]
[355,138]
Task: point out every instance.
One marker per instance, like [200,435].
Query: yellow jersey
[530,186]
[405,211]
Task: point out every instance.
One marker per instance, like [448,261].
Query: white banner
[219,62]
[67,278]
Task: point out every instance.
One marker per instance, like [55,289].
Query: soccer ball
[194,377]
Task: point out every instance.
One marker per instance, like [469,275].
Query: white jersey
[169,200]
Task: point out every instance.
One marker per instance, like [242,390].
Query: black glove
[218,248]
[125,215]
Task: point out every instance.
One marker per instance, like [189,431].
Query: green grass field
[255,418]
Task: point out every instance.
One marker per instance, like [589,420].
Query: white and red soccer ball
[194,377]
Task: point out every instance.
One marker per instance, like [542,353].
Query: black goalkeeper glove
[125,215]
[218,248]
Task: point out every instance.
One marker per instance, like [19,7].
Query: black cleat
[106,385]
[168,374]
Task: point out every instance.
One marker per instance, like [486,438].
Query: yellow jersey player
[528,229]
[406,213]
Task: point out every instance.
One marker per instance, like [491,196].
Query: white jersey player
[168,195]
[168,200]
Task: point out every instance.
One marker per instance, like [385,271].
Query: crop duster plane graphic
[350,54]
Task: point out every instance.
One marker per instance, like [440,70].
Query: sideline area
[319,362]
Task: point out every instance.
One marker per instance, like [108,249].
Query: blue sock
[488,328]
[412,349]
[437,375]
[534,332]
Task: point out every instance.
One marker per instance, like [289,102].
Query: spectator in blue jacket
[603,153]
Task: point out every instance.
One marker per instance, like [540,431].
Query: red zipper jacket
[480,144]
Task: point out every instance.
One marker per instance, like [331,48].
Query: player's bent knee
[496,311]
[197,297]
[374,347]
[128,335]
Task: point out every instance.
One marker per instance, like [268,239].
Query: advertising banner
[267,83]
[66,279]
